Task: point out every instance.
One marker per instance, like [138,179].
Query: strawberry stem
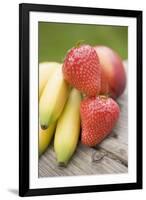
[104,96]
[78,44]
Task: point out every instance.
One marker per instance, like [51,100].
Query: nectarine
[113,80]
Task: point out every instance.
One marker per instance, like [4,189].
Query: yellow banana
[46,69]
[68,129]
[53,99]
[45,137]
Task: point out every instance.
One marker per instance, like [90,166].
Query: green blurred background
[56,38]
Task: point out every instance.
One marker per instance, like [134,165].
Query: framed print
[80,111]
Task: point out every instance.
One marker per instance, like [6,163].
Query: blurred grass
[56,38]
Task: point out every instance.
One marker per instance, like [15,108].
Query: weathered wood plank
[86,161]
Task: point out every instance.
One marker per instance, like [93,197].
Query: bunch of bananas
[59,112]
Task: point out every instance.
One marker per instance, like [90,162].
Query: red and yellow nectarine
[113,80]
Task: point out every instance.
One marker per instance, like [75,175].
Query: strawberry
[98,117]
[82,70]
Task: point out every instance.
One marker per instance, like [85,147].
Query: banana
[68,129]
[46,69]
[53,99]
[45,137]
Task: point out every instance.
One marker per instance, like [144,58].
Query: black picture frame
[24,9]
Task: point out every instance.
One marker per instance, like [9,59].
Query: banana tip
[62,164]
[43,126]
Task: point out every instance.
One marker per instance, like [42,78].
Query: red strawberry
[82,70]
[98,117]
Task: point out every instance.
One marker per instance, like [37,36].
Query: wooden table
[111,156]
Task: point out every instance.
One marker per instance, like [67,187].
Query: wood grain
[111,156]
